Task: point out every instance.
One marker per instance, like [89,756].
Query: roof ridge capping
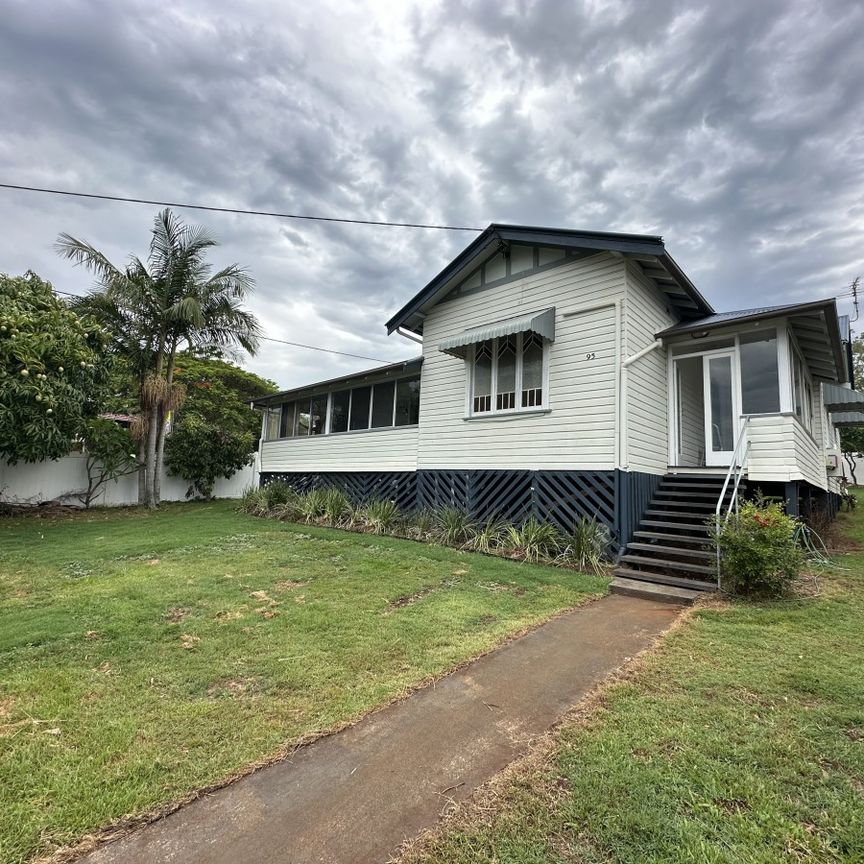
[669,273]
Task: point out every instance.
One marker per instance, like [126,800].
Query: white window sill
[508,415]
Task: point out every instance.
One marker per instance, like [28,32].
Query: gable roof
[647,250]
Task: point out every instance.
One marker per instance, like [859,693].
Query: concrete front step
[646,575]
[653,591]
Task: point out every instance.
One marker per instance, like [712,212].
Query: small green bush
[758,551]
[420,525]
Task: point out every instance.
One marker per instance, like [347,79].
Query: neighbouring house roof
[842,399]
[815,325]
[541,323]
[379,373]
[117,418]
[647,250]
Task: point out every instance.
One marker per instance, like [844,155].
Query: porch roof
[379,373]
[815,325]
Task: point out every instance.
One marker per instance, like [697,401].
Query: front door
[721,429]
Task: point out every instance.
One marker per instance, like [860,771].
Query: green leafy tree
[852,437]
[170,301]
[53,371]
[216,431]
[108,448]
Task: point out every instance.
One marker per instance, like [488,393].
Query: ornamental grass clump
[489,537]
[310,507]
[275,493]
[453,526]
[759,555]
[586,546]
[533,540]
[381,516]
[336,507]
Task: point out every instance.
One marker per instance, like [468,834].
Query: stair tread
[664,579]
[686,526]
[654,590]
[702,505]
[682,538]
[677,493]
[665,562]
[669,513]
[675,550]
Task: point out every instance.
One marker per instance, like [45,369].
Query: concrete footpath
[353,797]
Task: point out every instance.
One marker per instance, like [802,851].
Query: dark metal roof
[379,372]
[647,250]
[739,316]
[815,326]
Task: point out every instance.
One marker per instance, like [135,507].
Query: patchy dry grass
[144,656]
[739,739]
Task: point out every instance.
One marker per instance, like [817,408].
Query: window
[286,426]
[802,395]
[274,416]
[317,415]
[482,390]
[360,398]
[507,374]
[505,398]
[340,404]
[408,402]
[382,404]
[760,381]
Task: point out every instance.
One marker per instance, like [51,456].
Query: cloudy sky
[734,129]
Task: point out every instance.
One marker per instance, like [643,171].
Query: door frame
[721,458]
[732,352]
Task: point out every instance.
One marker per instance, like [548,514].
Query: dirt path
[353,797]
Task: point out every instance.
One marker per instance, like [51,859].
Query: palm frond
[82,254]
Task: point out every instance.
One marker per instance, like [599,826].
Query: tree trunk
[850,461]
[160,445]
[152,436]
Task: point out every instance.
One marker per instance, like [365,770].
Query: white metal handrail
[736,470]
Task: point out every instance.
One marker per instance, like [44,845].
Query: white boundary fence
[59,480]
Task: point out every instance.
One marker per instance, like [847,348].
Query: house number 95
[590,356]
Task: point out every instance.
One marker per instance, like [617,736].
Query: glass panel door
[720,410]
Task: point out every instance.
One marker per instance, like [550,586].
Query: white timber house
[572,374]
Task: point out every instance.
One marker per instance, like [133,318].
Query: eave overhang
[646,250]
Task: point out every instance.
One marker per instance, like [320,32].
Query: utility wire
[236,210]
[286,342]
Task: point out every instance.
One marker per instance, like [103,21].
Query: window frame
[494,411]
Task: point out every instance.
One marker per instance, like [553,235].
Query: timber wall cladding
[561,497]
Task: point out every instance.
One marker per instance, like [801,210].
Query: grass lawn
[741,739]
[146,655]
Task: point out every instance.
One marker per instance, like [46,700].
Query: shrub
[534,540]
[381,516]
[252,500]
[758,551]
[587,545]
[453,526]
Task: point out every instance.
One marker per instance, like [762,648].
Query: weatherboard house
[577,373]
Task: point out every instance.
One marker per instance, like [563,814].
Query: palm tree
[171,302]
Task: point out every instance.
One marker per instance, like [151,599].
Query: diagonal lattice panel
[563,497]
[500,495]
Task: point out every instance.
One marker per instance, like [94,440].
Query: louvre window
[382,404]
[507,374]
[408,402]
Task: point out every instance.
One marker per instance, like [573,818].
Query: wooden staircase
[672,545]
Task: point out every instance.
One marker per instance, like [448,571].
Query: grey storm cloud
[733,129]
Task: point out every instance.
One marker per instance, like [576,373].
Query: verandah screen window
[507,372]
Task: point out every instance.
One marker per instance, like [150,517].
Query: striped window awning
[840,399]
[541,323]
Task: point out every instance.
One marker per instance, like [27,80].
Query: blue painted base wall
[615,498]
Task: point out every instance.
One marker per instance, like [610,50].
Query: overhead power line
[236,210]
[284,341]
